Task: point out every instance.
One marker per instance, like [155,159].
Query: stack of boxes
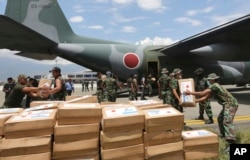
[148,104]
[29,135]
[122,133]
[77,131]
[162,136]
[200,144]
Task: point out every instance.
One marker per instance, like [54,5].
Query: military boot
[209,121]
[200,118]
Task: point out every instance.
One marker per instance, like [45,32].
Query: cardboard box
[200,144]
[45,82]
[70,133]
[25,146]
[184,85]
[10,110]
[170,151]
[111,105]
[30,124]
[177,155]
[124,153]
[162,137]
[3,119]
[76,149]
[68,98]
[53,105]
[162,119]
[38,156]
[79,113]
[94,157]
[83,99]
[121,119]
[148,104]
[110,140]
[38,103]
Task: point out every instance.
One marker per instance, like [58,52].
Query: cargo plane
[39,30]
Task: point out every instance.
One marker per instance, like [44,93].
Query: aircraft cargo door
[153,68]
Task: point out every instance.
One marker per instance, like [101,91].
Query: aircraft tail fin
[43,16]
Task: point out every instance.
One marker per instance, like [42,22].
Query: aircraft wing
[227,42]
[15,36]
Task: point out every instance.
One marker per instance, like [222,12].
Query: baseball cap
[57,69]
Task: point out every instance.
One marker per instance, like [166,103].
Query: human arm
[176,95]
[202,94]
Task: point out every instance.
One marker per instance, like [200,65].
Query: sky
[137,22]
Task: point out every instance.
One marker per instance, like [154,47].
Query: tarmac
[241,120]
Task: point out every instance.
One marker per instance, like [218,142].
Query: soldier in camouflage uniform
[164,88]
[134,87]
[200,85]
[109,87]
[99,89]
[129,83]
[176,102]
[229,107]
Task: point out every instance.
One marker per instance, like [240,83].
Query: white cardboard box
[184,85]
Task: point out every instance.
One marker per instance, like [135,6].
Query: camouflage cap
[199,71]
[21,76]
[177,70]
[164,70]
[108,73]
[212,76]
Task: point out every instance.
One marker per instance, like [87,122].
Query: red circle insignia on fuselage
[131,60]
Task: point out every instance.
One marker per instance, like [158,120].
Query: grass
[242,136]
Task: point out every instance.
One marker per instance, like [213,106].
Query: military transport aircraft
[39,30]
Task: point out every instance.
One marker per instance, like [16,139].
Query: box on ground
[162,137]
[121,119]
[3,119]
[38,156]
[70,133]
[38,103]
[53,105]
[124,153]
[30,124]
[200,144]
[161,119]
[170,151]
[148,104]
[184,85]
[92,157]
[82,99]
[76,149]
[110,140]
[25,146]
[10,110]
[79,113]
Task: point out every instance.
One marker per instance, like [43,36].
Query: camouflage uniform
[175,102]
[166,94]
[99,91]
[109,89]
[226,116]
[201,84]
[134,87]
[129,83]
